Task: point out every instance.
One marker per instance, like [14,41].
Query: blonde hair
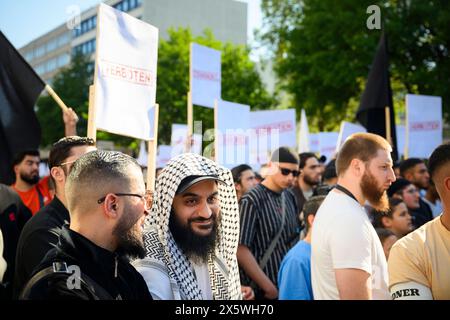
[362,146]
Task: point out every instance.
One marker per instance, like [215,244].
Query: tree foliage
[323,51]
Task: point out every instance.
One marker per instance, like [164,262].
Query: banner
[178,140]
[232,133]
[125,75]
[205,75]
[423,125]
[347,129]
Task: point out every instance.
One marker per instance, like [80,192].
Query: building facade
[227,19]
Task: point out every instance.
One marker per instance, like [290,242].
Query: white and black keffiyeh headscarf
[161,248]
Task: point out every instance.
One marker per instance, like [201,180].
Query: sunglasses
[147,197]
[286,172]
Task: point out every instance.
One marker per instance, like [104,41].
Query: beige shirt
[423,256]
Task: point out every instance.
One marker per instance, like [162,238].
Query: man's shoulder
[416,240]
[256,194]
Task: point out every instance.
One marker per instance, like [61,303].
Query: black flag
[20,86]
[377,96]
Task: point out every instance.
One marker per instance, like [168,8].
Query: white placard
[327,144]
[164,156]
[179,137]
[347,129]
[314,145]
[271,129]
[205,75]
[125,75]
[232,125]
[423,124]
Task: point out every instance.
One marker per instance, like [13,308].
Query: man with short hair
[294,277]
[348,260]
[244,179]
[192,233]
[269,225]
[419,262]
[107,201]
[34,193]
[41,232]
[415,170]
[309,178]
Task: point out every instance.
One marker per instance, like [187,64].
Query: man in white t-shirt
[347,260]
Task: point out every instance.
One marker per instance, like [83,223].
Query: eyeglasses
[286,172]
[68,162]
[147,197]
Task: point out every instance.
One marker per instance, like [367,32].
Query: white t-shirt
[343,237]
[202,275]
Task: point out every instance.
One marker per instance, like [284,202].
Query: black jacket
[13,216]
[113,273]
[38,237]
[421,215]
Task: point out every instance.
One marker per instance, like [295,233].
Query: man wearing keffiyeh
[192,233]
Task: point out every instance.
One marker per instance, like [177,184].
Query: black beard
[129,243]
[310,182]
[195,247]
[30,180]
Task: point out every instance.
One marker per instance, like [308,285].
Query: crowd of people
[299,229]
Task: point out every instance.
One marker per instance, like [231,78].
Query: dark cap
[188,182]
[398,185]
[284,154]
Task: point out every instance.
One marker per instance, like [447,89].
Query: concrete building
[227,19]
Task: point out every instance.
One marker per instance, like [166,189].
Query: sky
[24,20]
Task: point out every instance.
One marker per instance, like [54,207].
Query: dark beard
[195,247]
[377,198]
[309,181]
[30,180]
[129,244]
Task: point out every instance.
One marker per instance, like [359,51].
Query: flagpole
[388,124]
[57,99]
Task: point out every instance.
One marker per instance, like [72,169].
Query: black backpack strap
[41,197]
[97,292]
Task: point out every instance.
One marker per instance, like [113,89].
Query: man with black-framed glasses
[41,232]
[108,204]
[269,225]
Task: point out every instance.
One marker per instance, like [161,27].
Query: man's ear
[447,183]
[58,174]
[358,167]
[111,206]
[237,186]
[409,176]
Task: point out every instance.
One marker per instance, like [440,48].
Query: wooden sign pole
[216,133]
[151,160]
[92,128]
[388,125]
